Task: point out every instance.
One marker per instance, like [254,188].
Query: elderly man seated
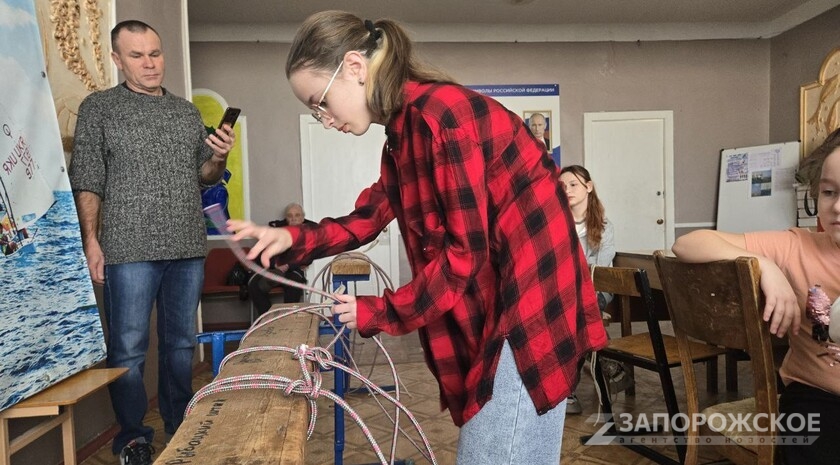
[259,287]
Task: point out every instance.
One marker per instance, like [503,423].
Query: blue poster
[49,321]
[537,104]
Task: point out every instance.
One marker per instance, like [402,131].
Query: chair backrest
[217,266]
[625,283]
[720,303]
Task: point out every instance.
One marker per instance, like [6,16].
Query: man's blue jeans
[130,291]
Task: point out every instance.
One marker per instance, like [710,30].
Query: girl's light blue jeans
[507,430]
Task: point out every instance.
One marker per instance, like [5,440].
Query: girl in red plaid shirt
[500,295]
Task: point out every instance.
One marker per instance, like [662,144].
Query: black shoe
[617,374]
[137,452]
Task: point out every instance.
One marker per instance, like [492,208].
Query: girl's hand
[346,310]
[781,308]
[270,241]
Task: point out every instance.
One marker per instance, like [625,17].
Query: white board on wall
[756,188]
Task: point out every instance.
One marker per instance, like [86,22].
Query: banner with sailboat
[25,195]
[49,322]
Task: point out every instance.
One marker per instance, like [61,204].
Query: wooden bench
[50,403]
[255,425]
[350,267]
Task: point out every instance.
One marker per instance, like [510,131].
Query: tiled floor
[422,400]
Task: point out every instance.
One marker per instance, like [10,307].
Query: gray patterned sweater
[142,155]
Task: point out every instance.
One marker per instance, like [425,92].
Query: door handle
[660,221]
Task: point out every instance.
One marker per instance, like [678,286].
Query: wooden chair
[651,350]
[220,261]
[721,303]
[217,267]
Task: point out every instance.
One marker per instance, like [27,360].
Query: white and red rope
[309,384]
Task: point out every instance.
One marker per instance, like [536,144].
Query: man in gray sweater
[140,159]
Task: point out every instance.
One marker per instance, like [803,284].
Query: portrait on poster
[539,122]
[534,103]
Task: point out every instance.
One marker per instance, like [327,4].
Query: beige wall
[795,59]
[724,94]
[717,89]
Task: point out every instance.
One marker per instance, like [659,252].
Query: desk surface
[642,259]
[254,425]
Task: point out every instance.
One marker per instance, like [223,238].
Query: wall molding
[706,225]
[473,32]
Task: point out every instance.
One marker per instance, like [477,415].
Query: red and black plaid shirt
[492,246]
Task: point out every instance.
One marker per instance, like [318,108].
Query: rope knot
[321,356]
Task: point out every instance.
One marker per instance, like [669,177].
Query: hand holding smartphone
[230,117]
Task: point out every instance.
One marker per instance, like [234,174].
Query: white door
[630,157]
[336,167]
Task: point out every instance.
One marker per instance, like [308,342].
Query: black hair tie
[374,32]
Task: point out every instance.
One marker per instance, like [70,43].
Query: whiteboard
[756,188]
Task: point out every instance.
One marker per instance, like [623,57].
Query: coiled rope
[320,358]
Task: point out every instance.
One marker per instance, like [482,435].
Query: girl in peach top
[792,262]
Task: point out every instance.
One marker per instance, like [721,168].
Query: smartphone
[230,117]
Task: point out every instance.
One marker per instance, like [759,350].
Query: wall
[795,60]
[717,89]
[250,76]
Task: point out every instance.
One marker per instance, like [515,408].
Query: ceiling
[515,20]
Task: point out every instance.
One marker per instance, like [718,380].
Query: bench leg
[5,448]
[68,437]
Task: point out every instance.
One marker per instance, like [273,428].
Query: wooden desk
[50,403]
[255,425]
[642,259]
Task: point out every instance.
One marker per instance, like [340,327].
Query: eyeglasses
[319,111]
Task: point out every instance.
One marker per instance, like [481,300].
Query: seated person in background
[597,238]
[259,287]
[800,281]
[595,231]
